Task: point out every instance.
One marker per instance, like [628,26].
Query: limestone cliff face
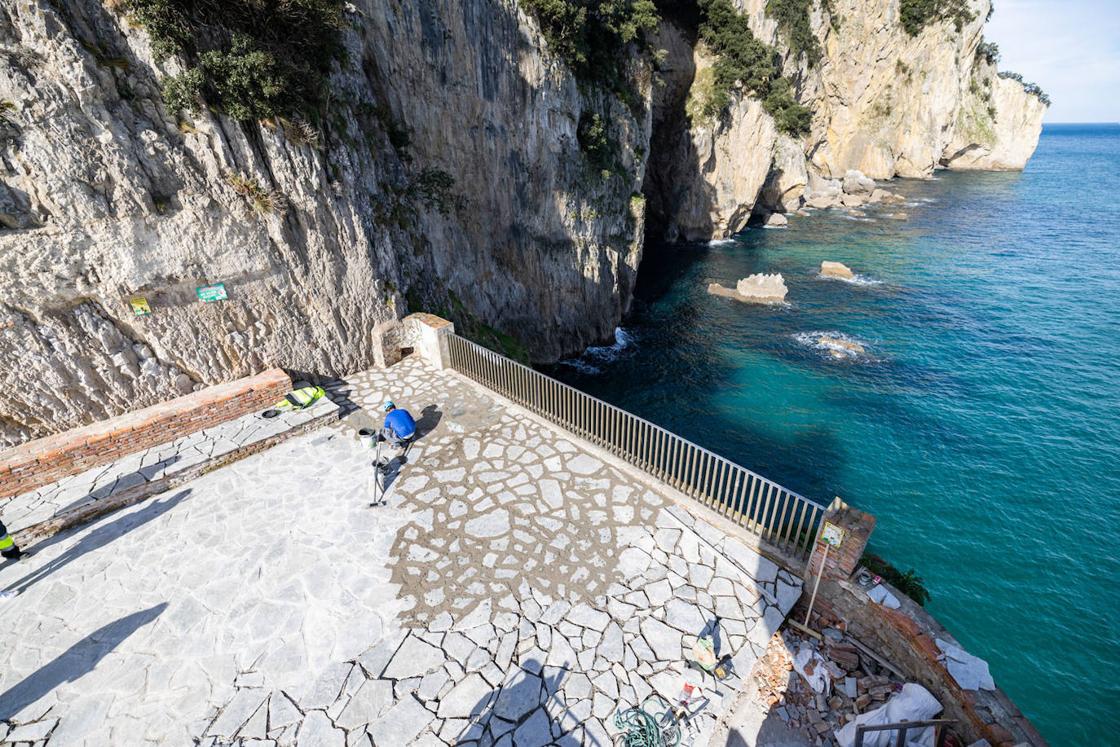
[885,103]
[997,125]
[104,196]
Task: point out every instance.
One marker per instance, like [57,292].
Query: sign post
[831,536]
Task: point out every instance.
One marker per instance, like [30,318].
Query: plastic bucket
[367,437]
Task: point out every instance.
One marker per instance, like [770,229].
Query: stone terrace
[515,587]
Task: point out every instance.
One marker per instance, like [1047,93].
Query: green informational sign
[212,293]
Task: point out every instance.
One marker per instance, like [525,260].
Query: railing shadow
[95,539]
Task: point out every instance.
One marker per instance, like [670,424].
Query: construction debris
[841,682]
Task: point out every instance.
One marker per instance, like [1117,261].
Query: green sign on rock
[212,293]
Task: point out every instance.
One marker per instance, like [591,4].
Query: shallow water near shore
[981,424]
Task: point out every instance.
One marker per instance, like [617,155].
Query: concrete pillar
[429,335]
[856,527]
[387,343]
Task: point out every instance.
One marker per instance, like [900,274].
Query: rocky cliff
[455,165]
[446,175]
[885,103]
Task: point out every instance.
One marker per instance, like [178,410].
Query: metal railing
[780,517]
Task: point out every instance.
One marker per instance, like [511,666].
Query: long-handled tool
[378,488]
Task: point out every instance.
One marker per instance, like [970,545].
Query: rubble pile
[856,682]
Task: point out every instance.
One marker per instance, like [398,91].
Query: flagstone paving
[510,587]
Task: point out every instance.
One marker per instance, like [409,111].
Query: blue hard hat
[388,405]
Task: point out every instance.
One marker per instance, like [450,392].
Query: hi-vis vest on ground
[301,399]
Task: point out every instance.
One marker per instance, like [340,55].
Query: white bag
[914,703]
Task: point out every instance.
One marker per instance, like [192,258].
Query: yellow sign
[832,534]
[140,306]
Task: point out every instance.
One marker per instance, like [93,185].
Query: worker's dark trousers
[7,545]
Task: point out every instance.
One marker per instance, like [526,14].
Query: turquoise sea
[982,424]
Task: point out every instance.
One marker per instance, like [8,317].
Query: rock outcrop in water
[836,270]
[757,288]
[447,175]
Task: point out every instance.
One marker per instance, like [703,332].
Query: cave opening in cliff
[677,36]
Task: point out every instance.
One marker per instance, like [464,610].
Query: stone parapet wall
[46,460]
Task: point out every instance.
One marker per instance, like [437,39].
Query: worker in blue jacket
[399,429]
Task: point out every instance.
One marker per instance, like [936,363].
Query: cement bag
[812,666]
[914,703]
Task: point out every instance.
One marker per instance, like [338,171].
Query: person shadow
[75,662]
[528,707]
[97,538]
[430,417]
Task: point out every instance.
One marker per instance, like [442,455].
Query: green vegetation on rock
[793,20]
[917,14]
[593,37]
[988,51]
[909,583]
[743,61]
[1032,88]
[251,59]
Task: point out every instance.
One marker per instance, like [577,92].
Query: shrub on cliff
[593,37]
[793,20]
[1032,88]
[744,61]
[917,14]
[247,58]
[909,583]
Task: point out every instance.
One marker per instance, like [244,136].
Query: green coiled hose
[641,728]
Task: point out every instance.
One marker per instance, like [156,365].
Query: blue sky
[1069,47]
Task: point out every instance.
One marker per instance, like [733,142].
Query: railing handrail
[779,507]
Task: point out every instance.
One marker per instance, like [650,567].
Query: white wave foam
[856,280]
[594,357]
[721,242]
[581,366]
[836,344]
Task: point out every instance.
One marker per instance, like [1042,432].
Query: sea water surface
[982,424]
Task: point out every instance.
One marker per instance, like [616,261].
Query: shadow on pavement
[521,708]
[428,421]
[95,539]
[74,662]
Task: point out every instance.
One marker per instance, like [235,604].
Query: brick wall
[43,461]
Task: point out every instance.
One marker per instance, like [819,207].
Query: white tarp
[812,666]
[970,672]
[914,703]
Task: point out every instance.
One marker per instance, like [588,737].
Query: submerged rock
[758,288]
[838,347]
[836,270]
